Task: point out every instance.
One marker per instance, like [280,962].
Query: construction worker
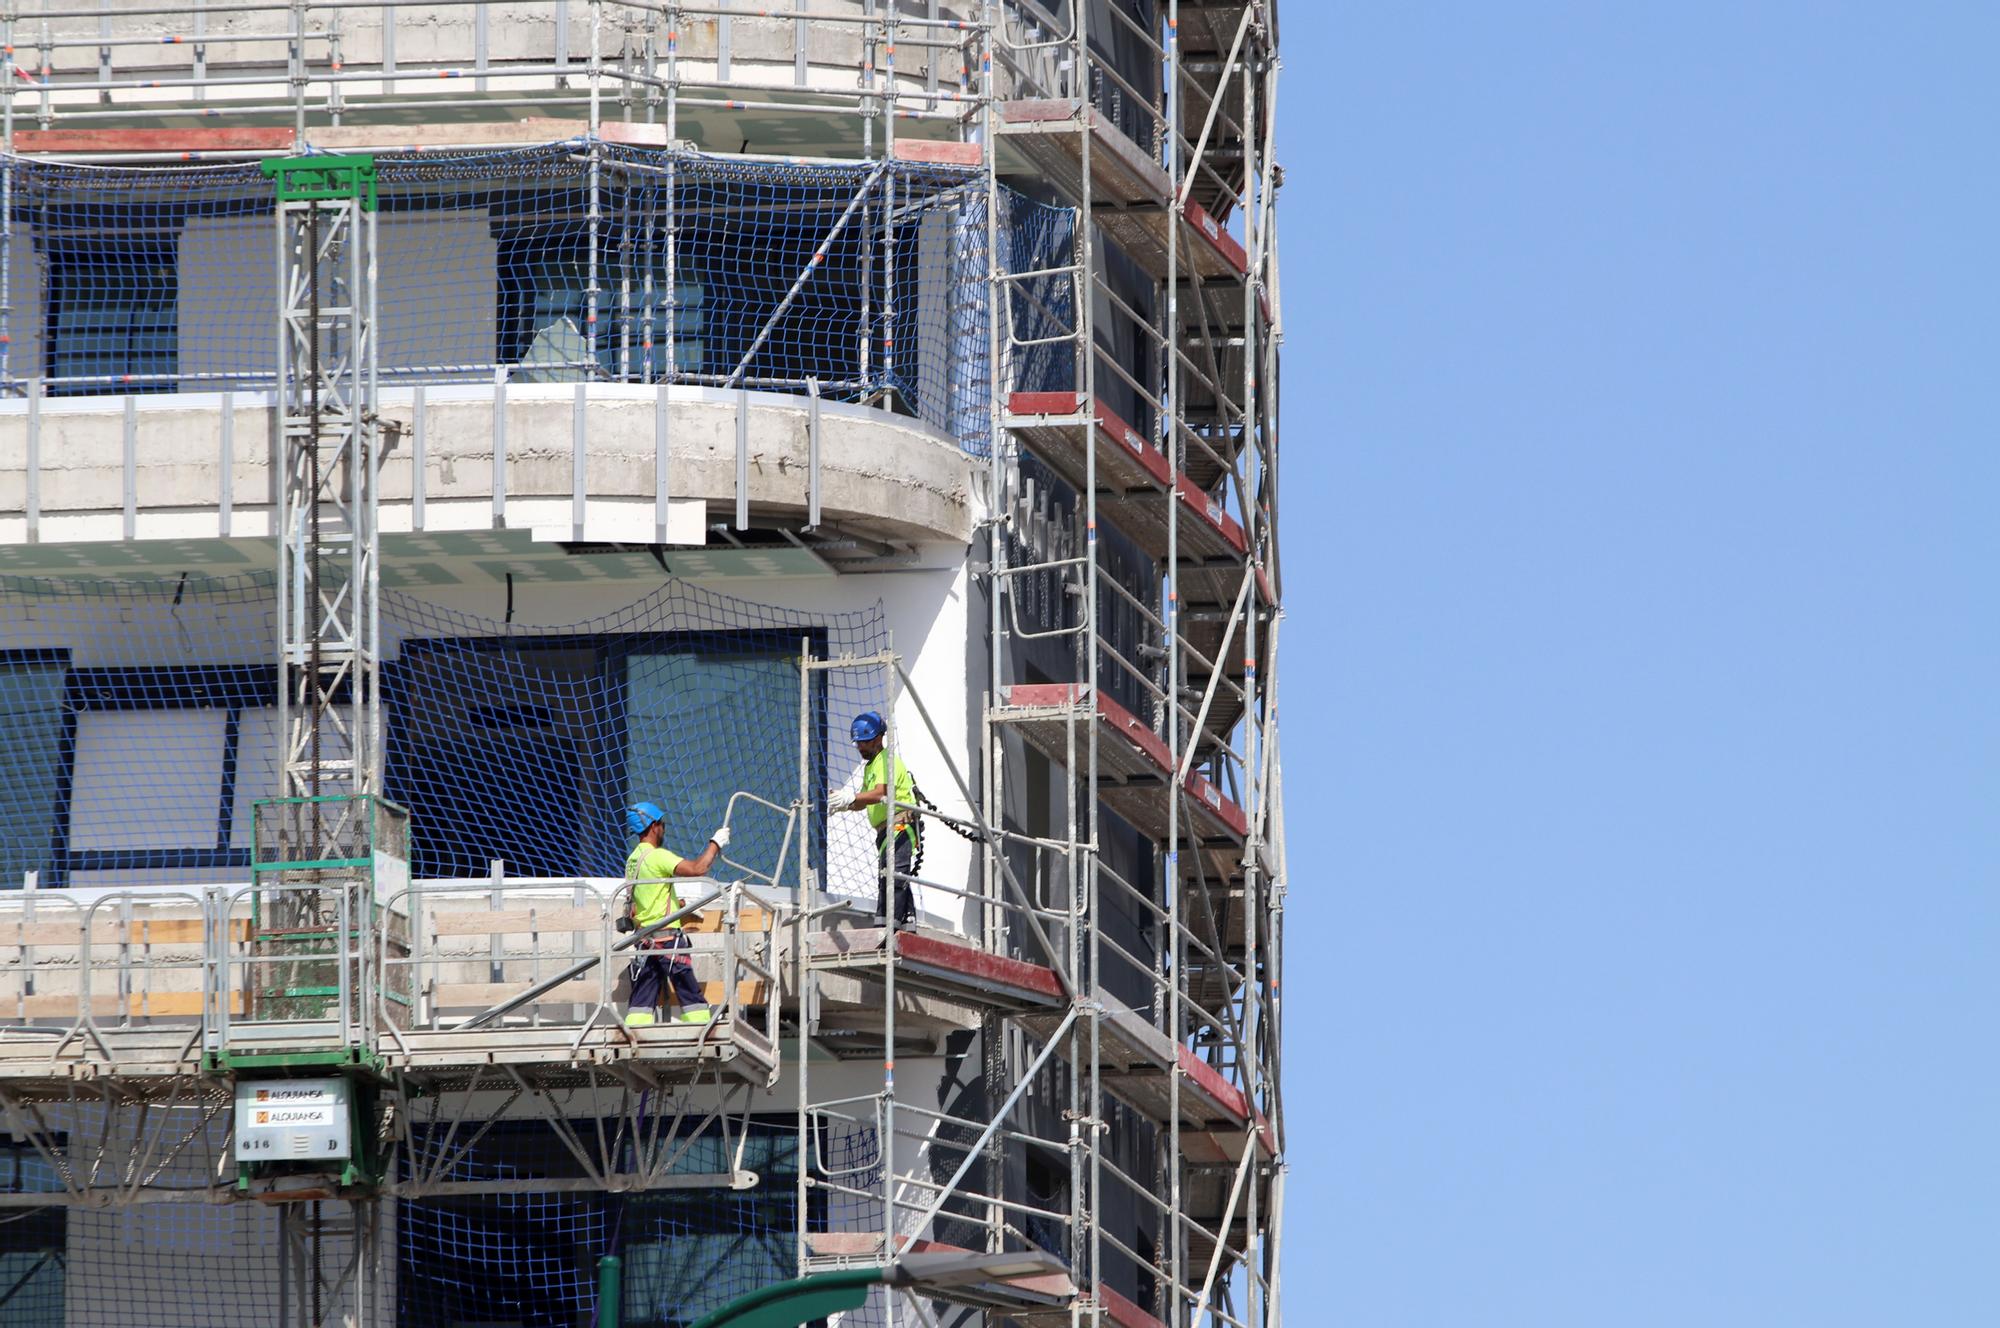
[651,868]
[897,849]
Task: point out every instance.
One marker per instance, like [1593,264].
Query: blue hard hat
[867,726]
[640,817]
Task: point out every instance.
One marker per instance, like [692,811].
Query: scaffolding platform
[145,1062]
[1133,762]
[1205,626]
[1050,133]
[553,1055]
[844,1249]
[1036,1299]
[1131,195]
[1131,474]
[944,984]
[947,965]
[1213,1161]
[1139,1063]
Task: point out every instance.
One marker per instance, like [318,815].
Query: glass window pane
[685,709]
[117,798]
[492,752]
[112,312]
[31,764]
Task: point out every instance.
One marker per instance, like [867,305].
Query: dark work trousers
[906,898]
[655,967]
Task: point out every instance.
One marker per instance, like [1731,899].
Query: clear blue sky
[1642,537]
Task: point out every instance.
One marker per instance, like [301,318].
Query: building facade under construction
[428,431]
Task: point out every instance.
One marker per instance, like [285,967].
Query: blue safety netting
[574,261]
[1039,312]
[535,1257]
[517,1240]
[506,742]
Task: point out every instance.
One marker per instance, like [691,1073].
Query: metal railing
[165,977]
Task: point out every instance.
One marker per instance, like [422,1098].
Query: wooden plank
[475,922]
[1124,1313]
[868,1245]
[636,134]
[566,918]
[144,931]
[140,1005]
[583,991]
[937,152]
[191,140]
[1225,245]
[1038,110]
[711,921]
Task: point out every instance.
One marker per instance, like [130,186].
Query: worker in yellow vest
[895,846]
[663,961]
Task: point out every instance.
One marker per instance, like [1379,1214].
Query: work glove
[839,802]
[720,838]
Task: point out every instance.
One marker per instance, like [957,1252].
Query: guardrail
[174,978]
[546,954]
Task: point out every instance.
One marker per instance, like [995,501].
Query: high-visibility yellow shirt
[654,896]
[876,775]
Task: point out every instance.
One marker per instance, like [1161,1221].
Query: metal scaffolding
[1116,996]
[1162,723]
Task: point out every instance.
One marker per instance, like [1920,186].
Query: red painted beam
[1140,735]
[1069,403]
[1056,1285]
[1210,1081]
[1209,510]
[1125,1313]
[1136,731]
[1220,807]
[1043,694]
[1219,239]
[937,152]
[1035,110]
[1000,970]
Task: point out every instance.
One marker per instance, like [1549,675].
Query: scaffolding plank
[1118,1310]
[967,969]
[58,934]
[1050,133]
[665,1050]
[191,141]
[1130,192]
[1144,233]
[133,1005]
[142,1058]
[947,965]
[565,918]
[1053,423]
[936,152]
[1137,1064]
[1041,712]
[851,1246]
[1132,474]
[582,991]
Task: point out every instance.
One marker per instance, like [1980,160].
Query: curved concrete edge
[881,475]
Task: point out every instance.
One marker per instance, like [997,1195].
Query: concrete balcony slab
[476,482]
